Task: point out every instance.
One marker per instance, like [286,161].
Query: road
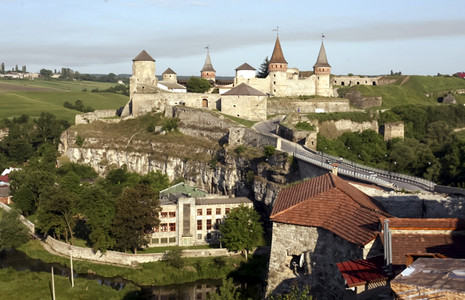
[383,178]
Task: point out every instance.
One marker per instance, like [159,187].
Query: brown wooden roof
[277,56]
[331,203]
[245,66]
[143,56]
[243,90]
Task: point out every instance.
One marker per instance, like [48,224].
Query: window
[172,226]
[172,240]
[199,212]
[163,227]
[218,211]
[199,236]
[164,214]
[219,221]
[155,241]
[164,240]
[199,224]
[172,214]
[227,210]
[209,224]
[209,211]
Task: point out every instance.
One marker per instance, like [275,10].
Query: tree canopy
[242,230]
[13,233]
[197,85]
[263,69]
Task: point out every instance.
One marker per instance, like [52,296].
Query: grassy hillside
[31,97]
[414,90]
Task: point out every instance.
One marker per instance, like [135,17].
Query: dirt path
[405,80]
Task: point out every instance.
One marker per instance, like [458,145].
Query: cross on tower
[276,30]
[208,48]
[322,36]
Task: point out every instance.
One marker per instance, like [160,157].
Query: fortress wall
[261,84]
[354,80]
[145,103]
[246,107]
[276,107]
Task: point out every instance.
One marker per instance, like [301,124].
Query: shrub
[250,177]
[305,126]
[239,149]
[80,140]
[268,150]
[170,124]
[174,258]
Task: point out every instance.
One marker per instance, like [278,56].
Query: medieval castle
[245,97]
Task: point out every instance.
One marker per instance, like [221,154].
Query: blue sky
[361,37]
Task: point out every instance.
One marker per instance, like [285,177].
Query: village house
[317,223]
[190,216]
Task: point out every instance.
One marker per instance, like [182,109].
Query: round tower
[277,62]
[170,76]
[322,71]
[143,72]
[208,72]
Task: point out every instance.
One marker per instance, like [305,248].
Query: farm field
[32,97]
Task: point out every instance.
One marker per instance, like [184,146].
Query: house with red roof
[316,224]
[4,180]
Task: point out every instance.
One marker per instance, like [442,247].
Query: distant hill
[424,90]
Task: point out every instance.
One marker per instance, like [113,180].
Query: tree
[13,233]
[263,69]
[242,230]
[137,211]
[174,258]
[2,69]
[296,293]
[198,85]
[46,73]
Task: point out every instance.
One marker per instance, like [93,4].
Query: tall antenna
[276,30]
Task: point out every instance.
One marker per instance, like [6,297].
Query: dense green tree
[20,150]
[46,73]
[197,85]
[13,233]
[242,230]
[174,258]
[56,212]
[48,128]
[263,69]
[98,208]
[137,212]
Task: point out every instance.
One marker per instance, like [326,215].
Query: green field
[414,90]
[31,97]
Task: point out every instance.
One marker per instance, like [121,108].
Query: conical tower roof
[322,60]
[278,56]
[208,67]
[143,56]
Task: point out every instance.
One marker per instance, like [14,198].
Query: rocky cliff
[198,159]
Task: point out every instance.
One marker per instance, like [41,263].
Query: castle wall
[279,107]
[355,80]
[246,107]
[393,130]
[145,103]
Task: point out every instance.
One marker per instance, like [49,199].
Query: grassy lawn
[156,273]
[15,102]
[244,122]
[33,285]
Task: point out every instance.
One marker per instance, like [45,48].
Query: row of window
[165,214]
[164,240]
[165,227]
[209,211]
[208,224]
[209,236]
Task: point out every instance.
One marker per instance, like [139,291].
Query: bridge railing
[388,174]
[353,174]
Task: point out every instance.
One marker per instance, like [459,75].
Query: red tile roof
[4,178]
[331,203]
[360,272]
[427,224]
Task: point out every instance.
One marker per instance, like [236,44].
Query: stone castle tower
[277,68]
[143,76]
[170,76]
[207,71]
[322,70]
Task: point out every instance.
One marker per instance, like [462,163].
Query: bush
[239,149]
[170,124]
[305,126]
[174,258]
[250,177]
[80,140]
[268,150]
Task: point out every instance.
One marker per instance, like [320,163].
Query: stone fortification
[284,107]
[355,80]
[245,136]
[333,129]
[357,99]
[98,115]
[392,130]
